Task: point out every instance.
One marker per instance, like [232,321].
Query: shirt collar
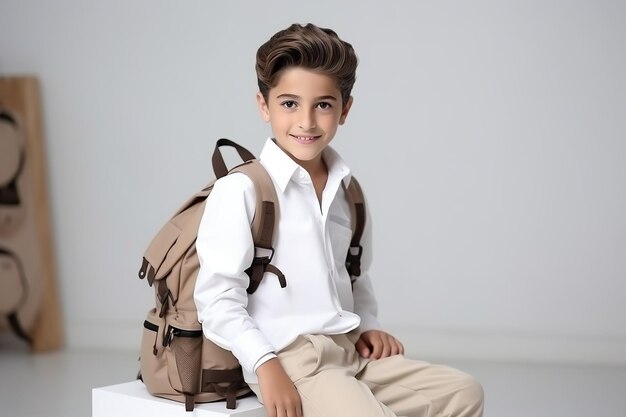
[282,168]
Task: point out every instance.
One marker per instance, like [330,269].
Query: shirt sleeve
[225,249]
[365,304]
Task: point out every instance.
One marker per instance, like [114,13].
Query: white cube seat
[133,399]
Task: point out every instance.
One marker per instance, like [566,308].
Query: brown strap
[356,201]
[189,402]
[221,375]
[212,377]
[267,203]
[229,393]
[266,225]
[353,261]
[147,271]
[231,399]
[219,166]
[281,277]
[360,224]
[256,271]
[164,295]
[261,265]
[263,223]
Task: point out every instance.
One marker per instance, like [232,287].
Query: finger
[294,407]
[295,411]
[281,412]
[395,347]
[398,346]
[377,346]
[270,410]
[401,347]
[299,412]
[362,348]
[386,347]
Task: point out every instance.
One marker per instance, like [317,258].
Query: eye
[289,104]
[324,105]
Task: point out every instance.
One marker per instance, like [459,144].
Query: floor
[59,384]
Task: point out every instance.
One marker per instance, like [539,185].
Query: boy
[314,348]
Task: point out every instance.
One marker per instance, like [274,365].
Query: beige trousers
[334,381]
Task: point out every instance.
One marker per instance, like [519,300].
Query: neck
[319,175]
[316,168]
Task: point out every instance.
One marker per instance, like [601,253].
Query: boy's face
[304,109]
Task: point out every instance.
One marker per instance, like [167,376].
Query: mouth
[305,139]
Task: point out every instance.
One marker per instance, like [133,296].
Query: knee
[469,397]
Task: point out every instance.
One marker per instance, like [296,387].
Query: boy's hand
[376,344]
[280,396]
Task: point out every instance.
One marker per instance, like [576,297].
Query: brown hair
[310,47]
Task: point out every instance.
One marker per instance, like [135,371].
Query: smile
[305,139]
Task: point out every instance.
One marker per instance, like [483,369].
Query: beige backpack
[176,360]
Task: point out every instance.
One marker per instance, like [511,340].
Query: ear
[345,111]
[265,112]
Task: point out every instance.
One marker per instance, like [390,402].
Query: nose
[307,120]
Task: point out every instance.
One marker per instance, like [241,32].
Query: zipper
[175,331]
[150,326]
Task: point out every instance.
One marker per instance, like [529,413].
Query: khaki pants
[334,381]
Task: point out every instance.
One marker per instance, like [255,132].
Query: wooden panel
[31,240]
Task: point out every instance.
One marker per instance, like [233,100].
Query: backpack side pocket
[183,348]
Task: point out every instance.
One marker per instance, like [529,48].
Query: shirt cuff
[264,359]
[250,347]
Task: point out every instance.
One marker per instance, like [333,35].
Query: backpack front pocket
[152,358]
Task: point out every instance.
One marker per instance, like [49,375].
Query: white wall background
[489,136]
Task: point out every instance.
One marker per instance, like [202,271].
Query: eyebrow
[295,97]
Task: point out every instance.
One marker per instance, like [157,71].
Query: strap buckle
[260,265]
[353,260]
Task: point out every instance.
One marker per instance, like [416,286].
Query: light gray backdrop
[489,137]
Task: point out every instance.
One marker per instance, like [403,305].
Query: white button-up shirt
[310,243]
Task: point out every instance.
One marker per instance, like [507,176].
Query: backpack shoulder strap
[356,200]
[266,203]
[219,166]
[263,224]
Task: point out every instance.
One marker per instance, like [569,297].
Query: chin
[304,157]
